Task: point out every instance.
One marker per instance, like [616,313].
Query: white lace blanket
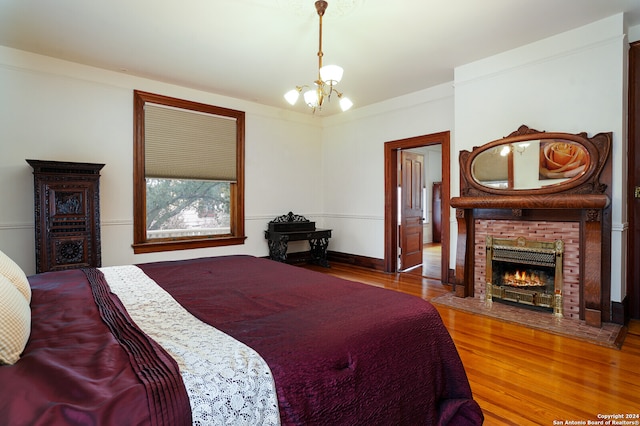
[228,383]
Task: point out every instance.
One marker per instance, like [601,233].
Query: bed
[225,340]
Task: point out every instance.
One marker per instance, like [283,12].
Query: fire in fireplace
[525,272]
[523,279]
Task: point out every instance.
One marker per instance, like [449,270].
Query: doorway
[633,195]
[411,209]
[392,179]
[420,211]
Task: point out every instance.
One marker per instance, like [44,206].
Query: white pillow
[15,317]
[16,275]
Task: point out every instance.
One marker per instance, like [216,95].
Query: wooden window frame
[141,244]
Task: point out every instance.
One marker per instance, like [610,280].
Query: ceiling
[258,49]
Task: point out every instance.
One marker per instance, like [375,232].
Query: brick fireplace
[574,211]
[544,231]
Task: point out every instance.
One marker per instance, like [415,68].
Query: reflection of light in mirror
[497,184]
[518,147]
[538,163]
[524,166]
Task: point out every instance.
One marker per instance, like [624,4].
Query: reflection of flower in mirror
[561,159]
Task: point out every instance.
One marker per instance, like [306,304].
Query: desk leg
[278,250]
[319,251]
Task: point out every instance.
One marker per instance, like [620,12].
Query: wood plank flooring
[431,262]
[521,376]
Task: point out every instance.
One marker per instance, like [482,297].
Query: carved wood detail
[585,199]
[66,215]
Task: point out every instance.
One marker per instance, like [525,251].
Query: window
[188,174]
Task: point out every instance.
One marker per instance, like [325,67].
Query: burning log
[522,279]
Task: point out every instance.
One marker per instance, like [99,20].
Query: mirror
[530,164]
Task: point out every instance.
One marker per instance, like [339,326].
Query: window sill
[185,244]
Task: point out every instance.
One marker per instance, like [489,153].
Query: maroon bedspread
[75,371]
[342,353]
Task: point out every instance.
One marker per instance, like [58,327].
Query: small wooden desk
[292,227]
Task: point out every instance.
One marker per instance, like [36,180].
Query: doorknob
[637,192]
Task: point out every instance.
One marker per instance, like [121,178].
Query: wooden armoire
[67,215]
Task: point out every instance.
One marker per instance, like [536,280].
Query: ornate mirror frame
[588,182]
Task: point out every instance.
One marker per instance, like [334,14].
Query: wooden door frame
[391,196]
[632,304]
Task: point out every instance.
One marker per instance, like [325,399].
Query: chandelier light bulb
[345,103]
[311,98]
[292,96]
[331,74]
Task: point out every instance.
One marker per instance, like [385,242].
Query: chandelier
[328,77]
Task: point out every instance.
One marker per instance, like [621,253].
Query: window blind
[185,144]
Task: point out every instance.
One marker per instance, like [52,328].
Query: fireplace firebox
[525,272]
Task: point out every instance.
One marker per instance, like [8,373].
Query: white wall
[56,110]
[573,82]
[353,163]
[330,170]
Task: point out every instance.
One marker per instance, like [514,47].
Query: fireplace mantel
[583,197]
[567,201]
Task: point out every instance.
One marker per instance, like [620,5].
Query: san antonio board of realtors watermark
[628,419]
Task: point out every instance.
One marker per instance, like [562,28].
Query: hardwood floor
[521,376]
[431,262]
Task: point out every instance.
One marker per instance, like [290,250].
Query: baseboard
[451,277]
[620,311]
[356,260]
[300,257]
